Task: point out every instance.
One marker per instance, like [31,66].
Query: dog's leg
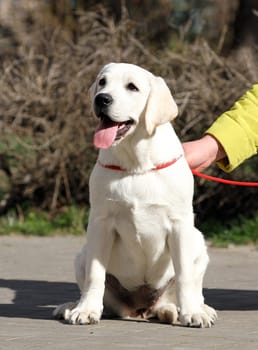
[63,311]
[190,260]
[95,257]
[200,266]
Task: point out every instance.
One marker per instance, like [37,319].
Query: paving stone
[37,273]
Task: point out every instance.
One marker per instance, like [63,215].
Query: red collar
[157,167]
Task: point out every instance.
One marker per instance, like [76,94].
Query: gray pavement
[37,273]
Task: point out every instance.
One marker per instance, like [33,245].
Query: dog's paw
[73,314]
[62,312]
[80,316]
[204,318]
[210,312]
[167,313]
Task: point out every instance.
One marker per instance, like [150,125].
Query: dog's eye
[102,82]
[132,87]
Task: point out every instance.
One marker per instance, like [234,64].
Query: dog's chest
[144,231]
[140,212]
[135,191]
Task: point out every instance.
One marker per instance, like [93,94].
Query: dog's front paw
[203,318]
[84,316]
[63,311]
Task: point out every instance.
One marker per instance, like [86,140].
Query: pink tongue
[105,134]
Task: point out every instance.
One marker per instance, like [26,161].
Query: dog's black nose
[103,100]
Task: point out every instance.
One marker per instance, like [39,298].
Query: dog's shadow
[232,299]
[37,299]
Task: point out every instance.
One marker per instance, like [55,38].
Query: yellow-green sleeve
[237,130]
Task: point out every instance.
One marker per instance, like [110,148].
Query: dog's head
[124,96]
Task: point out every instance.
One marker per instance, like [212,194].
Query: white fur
[141,225]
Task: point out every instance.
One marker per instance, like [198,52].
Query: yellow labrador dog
[143,256]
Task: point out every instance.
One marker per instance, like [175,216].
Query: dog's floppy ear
[161,107]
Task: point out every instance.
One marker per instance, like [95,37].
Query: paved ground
[37,273]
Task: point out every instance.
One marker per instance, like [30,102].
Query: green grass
[71,220]
[240,231]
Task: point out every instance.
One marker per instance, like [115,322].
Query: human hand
[200,154]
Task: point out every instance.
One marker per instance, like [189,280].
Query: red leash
[224,181]
[195,172]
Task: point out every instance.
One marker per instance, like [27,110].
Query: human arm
[231,139]
[200,154]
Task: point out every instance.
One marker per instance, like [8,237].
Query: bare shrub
[46,126]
